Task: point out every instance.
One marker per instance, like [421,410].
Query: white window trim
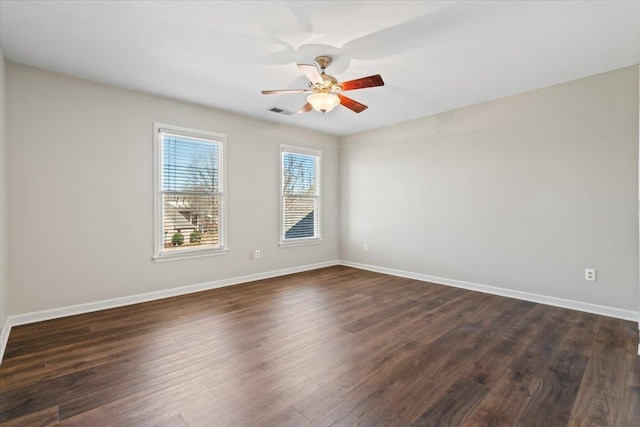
[307,240]
[158,242]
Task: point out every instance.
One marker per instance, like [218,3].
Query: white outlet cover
[590,274]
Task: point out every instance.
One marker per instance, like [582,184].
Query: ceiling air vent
[281,111]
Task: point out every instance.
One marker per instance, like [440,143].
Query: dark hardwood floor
[336,346]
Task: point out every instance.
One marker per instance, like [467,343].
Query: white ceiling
[433,56]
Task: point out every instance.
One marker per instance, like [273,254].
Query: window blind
[300,196]
[191,190]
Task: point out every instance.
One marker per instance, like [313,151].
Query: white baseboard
[22,319]
[526,296]
[4,338]
[39,316]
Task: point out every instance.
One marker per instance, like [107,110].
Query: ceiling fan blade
[311,72]
[272,92]
[354,106]
[307,107]
[371,81]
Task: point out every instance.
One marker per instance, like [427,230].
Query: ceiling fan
[325,90]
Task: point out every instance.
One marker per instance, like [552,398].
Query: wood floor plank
[17,348]
[364,353]
[116,382]
[603,383]
[613,332]
[490,366]
[393,383]
[538,337]
[174,421]
[631,406]
[582,333]
[332,398]
[412,397]
[369,411]
[36,397]
[502,405]
[378,316]
[288,417]
[455,405]
[336,346]
[147,407]
[81,355]
[432,324]
[44,417]
[241,409]
[552,404]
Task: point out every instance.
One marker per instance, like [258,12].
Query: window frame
[159,254]
[318,215]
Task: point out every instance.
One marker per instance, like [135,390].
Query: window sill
[189,255]
[305,242]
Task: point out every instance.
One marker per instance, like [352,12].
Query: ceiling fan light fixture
[323,101]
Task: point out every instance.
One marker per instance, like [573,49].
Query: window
[189,196]
[300,196]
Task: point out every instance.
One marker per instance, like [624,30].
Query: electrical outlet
[256,253]
[590,274]
[365,247]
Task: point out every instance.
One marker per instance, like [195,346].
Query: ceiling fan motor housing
[329,82]
[323,61]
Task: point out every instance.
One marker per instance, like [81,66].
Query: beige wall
[521,193]
[81,208]
[3,194]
